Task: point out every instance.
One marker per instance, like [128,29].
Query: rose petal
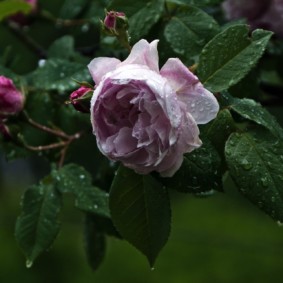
[98,67]
[200,102]
[144,53]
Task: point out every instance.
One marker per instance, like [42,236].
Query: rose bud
[145,117]
[80,99]
[11,99]
[115,22]
[22,19]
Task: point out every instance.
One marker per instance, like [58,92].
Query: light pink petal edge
[200,102]
[144,53]
[98,67]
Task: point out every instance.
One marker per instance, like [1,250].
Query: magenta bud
[111,19]
[11,99]
[22,19]
[80,99]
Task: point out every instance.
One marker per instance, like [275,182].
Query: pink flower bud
[111,17]
[22,19]
[11,99]
[80,99]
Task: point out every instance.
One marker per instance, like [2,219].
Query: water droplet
[264,181]
[85,28]
[29,263]
[82,177]
[246,164]
[41,63]
[279,223]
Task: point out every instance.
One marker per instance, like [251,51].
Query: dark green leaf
[189,29]
[76,180]
[95,243]
[230,55]
[72,8]
[62,48]
[142,14]
[142,21]
[200,172]
[38,225]
[58,75]
[140,211]
[253,111]
[11,7]
[255,161]
[219,129]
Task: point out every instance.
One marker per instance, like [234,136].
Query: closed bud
[11,99]
[80,99]
[115,23]
[22,19]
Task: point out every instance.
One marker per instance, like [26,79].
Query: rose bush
[147,118]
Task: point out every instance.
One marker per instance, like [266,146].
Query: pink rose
[147,118]
[11,99]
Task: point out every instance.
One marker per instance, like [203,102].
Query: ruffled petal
[200,102]
[144,53]
[98,67]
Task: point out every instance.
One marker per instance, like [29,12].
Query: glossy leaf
[189,29]
[199,174]
[38,225]
[255,161]
[72,8]
[219,129]
[58,74]
[76,180]
[140,211]
[94,242]
[223,61]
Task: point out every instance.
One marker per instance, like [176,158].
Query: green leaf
[62,48]
[255,161]
[142,14]
[11,7]
[76,180]
[189,29]
[140,211]
[72,8]
[38,225]
[253,111]
[219,129]
[58,74]
[199,174]
[95,243]
[230,55]
[142,21]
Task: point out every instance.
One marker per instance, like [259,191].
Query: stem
[57,133]
[45,147]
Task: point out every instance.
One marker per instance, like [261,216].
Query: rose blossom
[11,99]
[147,118]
